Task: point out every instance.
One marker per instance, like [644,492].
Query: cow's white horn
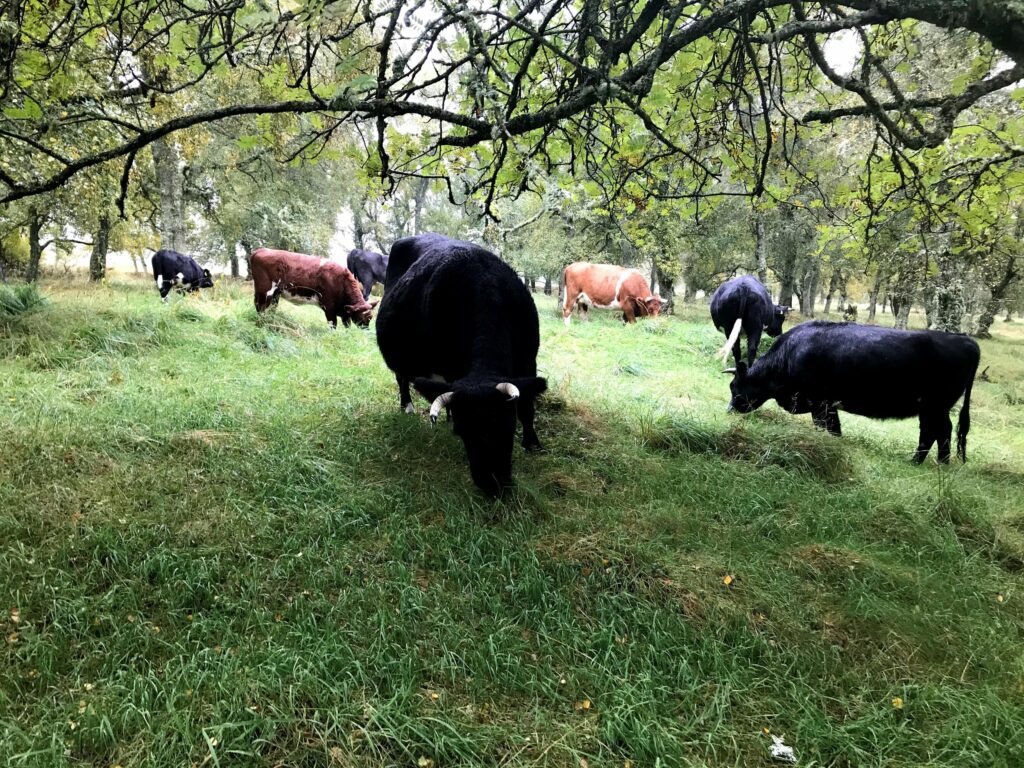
[729,370]
[509,389]
[438,404]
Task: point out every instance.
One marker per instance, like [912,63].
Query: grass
[221,544]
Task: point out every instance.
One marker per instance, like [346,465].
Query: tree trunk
[98,259]
[760,249]
[358,227]
[169,184]
[35,250]
[833,284]
[875,290]
[234,261]
[949,292]
[547,285]
[421,196]
[247,247]
[810,290]
[667,285]
[787,280]
[998,293]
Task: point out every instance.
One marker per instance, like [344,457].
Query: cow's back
[449,304]
[742,297]
[882,372]
[597,281]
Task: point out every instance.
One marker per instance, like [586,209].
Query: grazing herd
[457,325]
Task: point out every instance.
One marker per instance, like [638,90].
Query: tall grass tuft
[761,442]
[17,300]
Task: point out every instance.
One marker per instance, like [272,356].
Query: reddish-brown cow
[309,279]
[608,287]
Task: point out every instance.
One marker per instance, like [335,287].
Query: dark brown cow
[306,279]
[608,287]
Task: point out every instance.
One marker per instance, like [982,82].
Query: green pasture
[222,544]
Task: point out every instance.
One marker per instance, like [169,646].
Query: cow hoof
[409,408]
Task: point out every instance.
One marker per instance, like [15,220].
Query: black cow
[457,323]
[171,269]
[368,267]
[882,373]
[744,304]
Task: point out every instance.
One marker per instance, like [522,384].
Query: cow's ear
[206,273]
[530,386]
[431,388]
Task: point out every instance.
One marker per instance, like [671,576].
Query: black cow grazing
[744,304]
[882,373]
[368,267]
[171,269]
[457,323]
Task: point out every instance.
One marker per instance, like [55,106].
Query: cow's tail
[731,341]
[963,425]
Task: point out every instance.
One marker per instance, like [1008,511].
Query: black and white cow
[369,267]
[458,324]
[881,373]
[743,303]
[172,269]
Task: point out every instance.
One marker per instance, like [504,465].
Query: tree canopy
[491,96]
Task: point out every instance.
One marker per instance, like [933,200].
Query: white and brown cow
[306,279]
[608,287]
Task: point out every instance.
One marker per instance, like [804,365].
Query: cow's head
[361,313]
[651,305]
[774,327]
[748,394]
[206,281]
[484,416]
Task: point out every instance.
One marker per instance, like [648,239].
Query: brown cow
[309,279]
[608,287]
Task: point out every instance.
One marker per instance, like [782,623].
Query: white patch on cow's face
[566,321]
[273,287]
[179,277]
[159,282]
[410,408]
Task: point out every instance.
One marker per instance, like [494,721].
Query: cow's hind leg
[526,408]
[943,436]
[570,301]
[753,343]
[930,427]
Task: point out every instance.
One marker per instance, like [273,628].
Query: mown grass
[222,544]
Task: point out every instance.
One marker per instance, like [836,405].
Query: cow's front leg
[832,421]
[825,416]
[404,396]
[526,409]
